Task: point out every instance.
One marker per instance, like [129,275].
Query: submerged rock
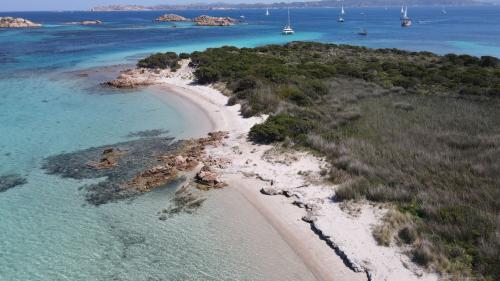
[126,160]
[171,18]
[10,22]
[147,133]
[214,21]
[187,200]
[135,167]
[9,181]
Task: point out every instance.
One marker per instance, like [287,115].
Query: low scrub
[169,60]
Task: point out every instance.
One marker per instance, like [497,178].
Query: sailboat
[363,32]
[288,30]
[267,12]
[405,20]
[342,13]
[443,11]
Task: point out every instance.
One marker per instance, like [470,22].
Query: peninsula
[360,139]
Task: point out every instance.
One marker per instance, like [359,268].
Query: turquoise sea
[49,232]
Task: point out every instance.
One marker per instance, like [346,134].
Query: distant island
[200,20]
[306,4]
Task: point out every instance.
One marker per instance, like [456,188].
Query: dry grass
[392,222]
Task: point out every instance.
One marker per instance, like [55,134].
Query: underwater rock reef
[117,163]
[11,180]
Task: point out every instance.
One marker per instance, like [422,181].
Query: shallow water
[47,106]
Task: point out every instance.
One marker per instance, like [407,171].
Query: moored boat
[288,30]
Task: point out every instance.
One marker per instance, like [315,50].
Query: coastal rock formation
[214,21]
[139,166]
[116,166]
[171,166]
[171,18]
[86,22]
[9,181]
[209,179]
[133,78]
[10,22]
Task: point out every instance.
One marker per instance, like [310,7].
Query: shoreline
[334,243]
[284,217]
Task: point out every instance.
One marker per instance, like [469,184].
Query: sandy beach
[335,242]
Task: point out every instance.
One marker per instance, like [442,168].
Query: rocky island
[214,21]
[171,18]
[203,20]
[10,22]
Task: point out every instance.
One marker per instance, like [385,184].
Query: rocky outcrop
[9,181]
[10,22]
[209,179]
[172,18]
[133,78]
[170,167]
[214,21]
[86,22]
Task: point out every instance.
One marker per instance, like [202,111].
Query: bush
[408,234]
[487,61]
[278,127]
[246,83]
[184,56]
[161,60]
[299,98]
[207,75]
[423,254]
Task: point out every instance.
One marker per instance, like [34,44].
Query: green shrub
[161,60]
[207,75]
[277,128]
[184,56]
[424,254]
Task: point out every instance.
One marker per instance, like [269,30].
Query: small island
[203,20]
[214,21]
[10,22]
[172,18]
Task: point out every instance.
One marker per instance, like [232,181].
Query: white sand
[254,166]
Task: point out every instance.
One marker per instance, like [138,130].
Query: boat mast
[289,25]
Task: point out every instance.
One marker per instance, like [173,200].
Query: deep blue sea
[47,232]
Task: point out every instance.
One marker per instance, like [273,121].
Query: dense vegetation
[168,60]
[417,130]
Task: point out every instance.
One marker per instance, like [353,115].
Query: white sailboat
[405,20]
[342,13]
[267,12]
[288,30]
[443,11]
